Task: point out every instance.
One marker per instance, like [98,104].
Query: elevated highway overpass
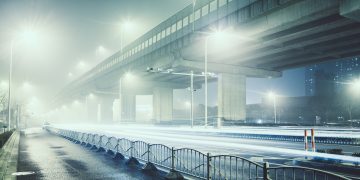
[267,37]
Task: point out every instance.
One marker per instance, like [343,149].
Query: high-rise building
[335,74]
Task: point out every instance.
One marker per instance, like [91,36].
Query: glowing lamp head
[3,84]
[271,94]
[356,84]
[127,26]
[128,75]
[91,96]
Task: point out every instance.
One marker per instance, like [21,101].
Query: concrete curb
[9,157]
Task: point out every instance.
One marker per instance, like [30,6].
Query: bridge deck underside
[310,41]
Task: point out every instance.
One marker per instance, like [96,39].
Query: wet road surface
[52,157]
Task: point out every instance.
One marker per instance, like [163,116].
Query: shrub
[321,150]
[4,137]
[334,151]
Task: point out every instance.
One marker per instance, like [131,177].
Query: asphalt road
[209,141]
[274,152]
[46,156]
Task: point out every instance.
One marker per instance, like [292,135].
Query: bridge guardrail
[290,172]
[192,162]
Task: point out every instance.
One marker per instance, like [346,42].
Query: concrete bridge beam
[228,68]
[350,9]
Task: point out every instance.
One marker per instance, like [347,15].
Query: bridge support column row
[128,108]
[163,104]
[232,96]
[105,109]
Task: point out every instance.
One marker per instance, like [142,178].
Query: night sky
[74,36]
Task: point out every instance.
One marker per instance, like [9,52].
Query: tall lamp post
[272,95]
[26,34]
[10,77]
[192,98]
[355,86]
[217,35]
[125,26]
[206,79]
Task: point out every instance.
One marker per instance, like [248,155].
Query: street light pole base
[174,175]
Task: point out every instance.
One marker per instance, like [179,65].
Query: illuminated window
[168,31]
[197,14]
[179,24]
[150,41]
[205,10]
[213,6]
[191,18]
[222,2]
[154,39]
[186,21]
[163,34]
[158,36]
[173,28]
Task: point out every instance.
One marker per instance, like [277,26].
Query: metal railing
[291,172]
[192,162]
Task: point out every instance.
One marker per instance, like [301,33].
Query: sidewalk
[50,157]
[9,157]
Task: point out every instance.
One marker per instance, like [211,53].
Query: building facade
[335,74]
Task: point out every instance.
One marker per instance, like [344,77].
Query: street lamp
[126,76]
[217,35]
[125,26]
[29,35]
[356,85]
[272,95]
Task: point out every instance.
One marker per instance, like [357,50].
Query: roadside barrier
[292,138]
[312,131]
[187,161]
[305,140]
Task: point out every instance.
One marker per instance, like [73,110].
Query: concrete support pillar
[116,110]
[127,108]
[106,109]
[91,106]
[98,113]
[232,97]
[163,104]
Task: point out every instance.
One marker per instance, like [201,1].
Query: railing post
[132,161]
[305,140]
[313,140]
[172,158]
[266,171]
[173,174]
[132,149]
[208,166]
[148,152]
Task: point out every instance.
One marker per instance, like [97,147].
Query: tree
[3,106]
[3,101]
